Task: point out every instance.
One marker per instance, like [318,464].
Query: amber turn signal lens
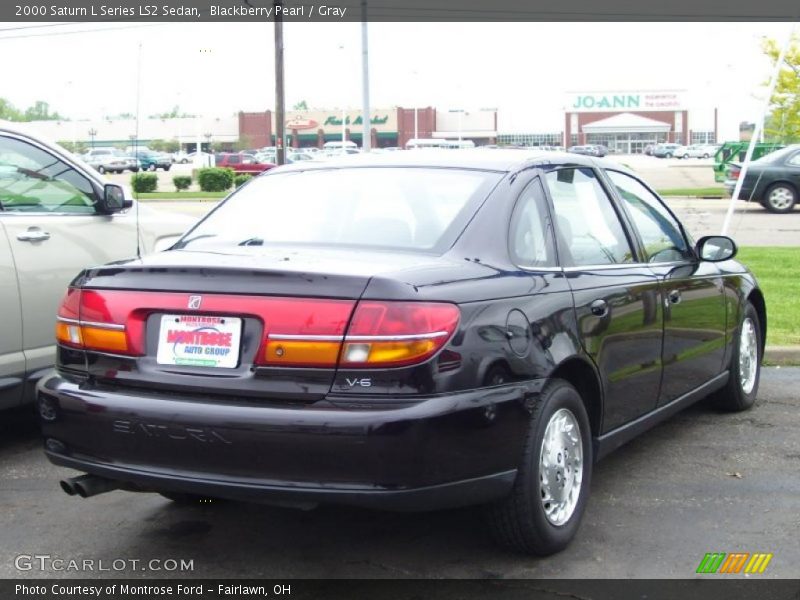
[387,353]
[109,340]
[301,352]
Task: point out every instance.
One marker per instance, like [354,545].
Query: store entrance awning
[626,123]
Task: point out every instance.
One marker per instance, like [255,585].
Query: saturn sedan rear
[407,331]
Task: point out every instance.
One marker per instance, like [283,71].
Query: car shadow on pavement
[19,428]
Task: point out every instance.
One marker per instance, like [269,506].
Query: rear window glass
[423,209]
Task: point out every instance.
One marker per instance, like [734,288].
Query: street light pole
[344,114]
[280,120]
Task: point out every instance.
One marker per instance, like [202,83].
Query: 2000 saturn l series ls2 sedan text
[412,330]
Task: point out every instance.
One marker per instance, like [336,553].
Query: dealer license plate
[199,341]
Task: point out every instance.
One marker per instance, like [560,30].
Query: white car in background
[695,151]
[58,216]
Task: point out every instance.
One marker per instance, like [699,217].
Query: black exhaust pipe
[88,485]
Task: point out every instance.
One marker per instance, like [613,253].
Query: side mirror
[113,200]
[716,248]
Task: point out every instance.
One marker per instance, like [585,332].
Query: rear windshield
[777,155]
[416,209]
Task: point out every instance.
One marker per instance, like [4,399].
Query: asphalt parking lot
[701,482]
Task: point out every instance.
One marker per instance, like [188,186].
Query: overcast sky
[523,69]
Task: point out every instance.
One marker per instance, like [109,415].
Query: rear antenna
[136,147]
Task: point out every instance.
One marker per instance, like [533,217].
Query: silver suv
[57,217]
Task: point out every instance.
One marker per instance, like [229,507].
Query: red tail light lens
[97,321]
[734,173]
[304,332]
[298,332]
[393,334]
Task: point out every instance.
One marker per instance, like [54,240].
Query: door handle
[599,308]
[33,235]
[674,296]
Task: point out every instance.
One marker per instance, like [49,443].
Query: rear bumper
[445,451]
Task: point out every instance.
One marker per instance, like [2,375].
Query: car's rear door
[12,359]
[694,306]
[53,232]
[617,301]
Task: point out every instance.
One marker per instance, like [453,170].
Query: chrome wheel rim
[781,198]
[561,467]
[748,356]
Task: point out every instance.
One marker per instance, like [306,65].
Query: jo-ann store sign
[625,101]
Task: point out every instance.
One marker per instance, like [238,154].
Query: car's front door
[53,232]
[692,291]
[617,301]
[12,359]
[793,169]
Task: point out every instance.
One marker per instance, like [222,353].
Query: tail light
[381,334]
[102,321]
[303,332]
[734,172]
[298,332]
[393,334]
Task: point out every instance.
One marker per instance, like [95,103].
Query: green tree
[8,111]
[783,122]
[40,111]
[300,105]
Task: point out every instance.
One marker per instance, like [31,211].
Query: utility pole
[366,136]
[280,121]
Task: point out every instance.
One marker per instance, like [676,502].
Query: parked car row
[113,160]
[589,150]
[670,150]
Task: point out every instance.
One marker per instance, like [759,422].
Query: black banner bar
[588,589]
[395,10]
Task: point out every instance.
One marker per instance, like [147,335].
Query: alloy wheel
[748,356]
[781,198]
[561,467]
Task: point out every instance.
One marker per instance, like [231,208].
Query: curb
[782,355]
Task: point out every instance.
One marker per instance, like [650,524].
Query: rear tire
[745,369]
[544,509]
[780,198]
[101,169]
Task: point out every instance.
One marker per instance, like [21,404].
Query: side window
[33,180]
[587,226]
[233,159]
[660,233]
[530,238]
[794,161]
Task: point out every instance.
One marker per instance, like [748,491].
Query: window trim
[549,231]
[622,217]
[635,231]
